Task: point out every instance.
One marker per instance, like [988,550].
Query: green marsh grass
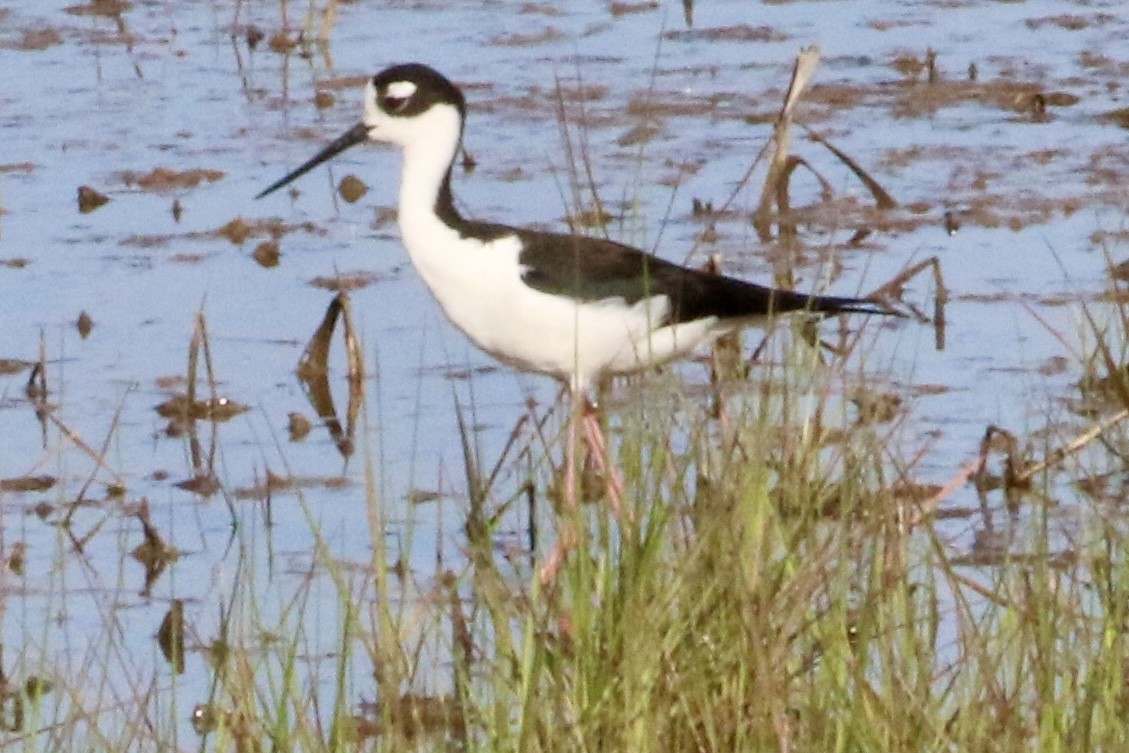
[775,592]
[778,589]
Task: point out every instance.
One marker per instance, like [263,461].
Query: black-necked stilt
[575,307]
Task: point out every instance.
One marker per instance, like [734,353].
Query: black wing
[593,269]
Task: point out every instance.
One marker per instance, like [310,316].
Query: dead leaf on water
[84,324]
[276,483]
[214,409]
[153,553]
[89,199]
[253,35]
[281,42]
[1118,117]
[13,366]
[737,33]
[346,282]
[619,8]
[188,258]
[16,167]
[170,636]
[267,254]
[548,34]
[19,484]
[1071,21]
[205,485]
[167,179]
[1120,271]
[640,134]
[299,426]
[423,496]
[352,189]
[235,231]
[39,39]
[18,558]
[107,8]
[1053,366]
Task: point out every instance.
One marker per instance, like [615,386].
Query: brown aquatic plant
[313,372]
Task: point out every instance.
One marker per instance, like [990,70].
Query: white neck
[427,158]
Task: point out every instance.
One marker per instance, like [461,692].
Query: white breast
[480,289]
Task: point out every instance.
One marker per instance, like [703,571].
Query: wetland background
[929,583]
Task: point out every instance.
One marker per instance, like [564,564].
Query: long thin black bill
[353,136]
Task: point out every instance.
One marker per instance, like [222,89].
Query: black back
[595,269]
[592,269]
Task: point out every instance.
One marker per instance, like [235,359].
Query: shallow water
[88,97]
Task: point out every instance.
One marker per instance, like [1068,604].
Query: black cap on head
[432,88]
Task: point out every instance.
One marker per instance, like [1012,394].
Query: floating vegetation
[346,282]
[25,484]
[153,553]
[14,366]
[170,636]
[167,179]
[298,426]
[734,33]
[267,254]
[352,189]
[84,324]
[208,409]
[313,371]
[90,199]
[237,231]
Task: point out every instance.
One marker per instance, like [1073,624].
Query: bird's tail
[785,302]
[829,304]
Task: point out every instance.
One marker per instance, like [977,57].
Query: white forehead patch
[372,112]
[401,89]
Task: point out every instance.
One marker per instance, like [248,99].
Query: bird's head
[409,105]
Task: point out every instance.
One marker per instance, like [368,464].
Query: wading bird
[570,306]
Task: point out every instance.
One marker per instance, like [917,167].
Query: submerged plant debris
[167,179]
[89,199]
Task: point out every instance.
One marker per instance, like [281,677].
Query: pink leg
[598,450]
[566,534]
[567,537]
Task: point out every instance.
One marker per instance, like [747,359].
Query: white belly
[480,289]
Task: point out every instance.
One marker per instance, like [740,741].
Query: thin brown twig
[1073,446]
[975,466]
[930,505]
[82,445]
[101,453]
